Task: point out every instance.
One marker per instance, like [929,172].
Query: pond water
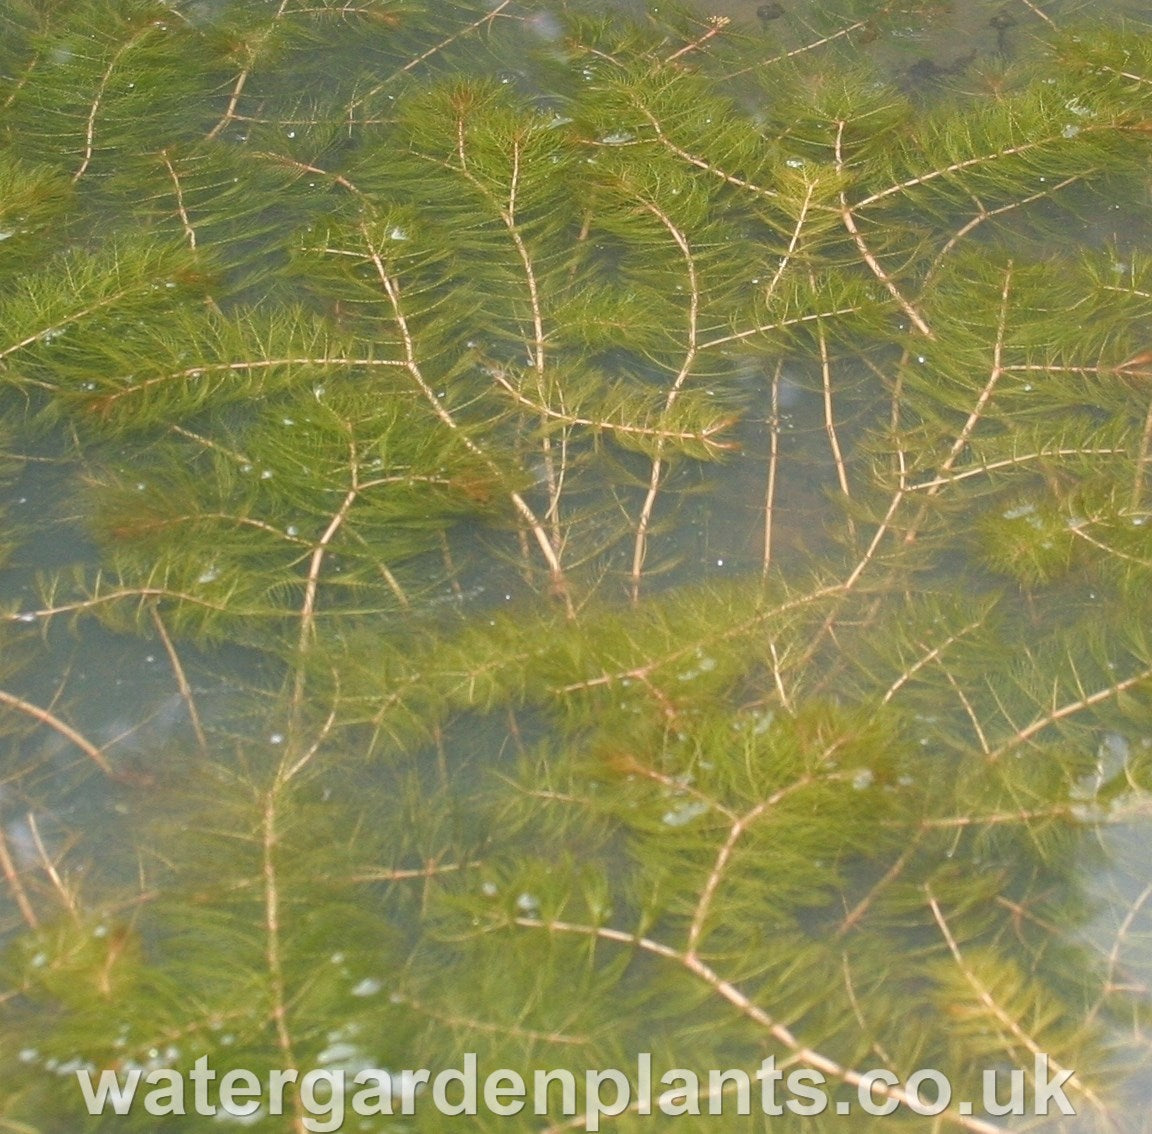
[558,532]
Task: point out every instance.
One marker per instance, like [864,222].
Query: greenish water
[553,533]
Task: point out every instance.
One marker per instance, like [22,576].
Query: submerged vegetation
[553,538]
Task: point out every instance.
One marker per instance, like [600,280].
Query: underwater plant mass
[545,538]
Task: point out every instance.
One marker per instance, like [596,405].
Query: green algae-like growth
[560,542]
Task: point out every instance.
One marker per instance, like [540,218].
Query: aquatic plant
[554,538]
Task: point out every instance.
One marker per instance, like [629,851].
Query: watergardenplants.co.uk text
[325,1096]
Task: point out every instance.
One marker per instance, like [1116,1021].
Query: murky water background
[120,692]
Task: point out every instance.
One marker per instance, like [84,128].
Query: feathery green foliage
[637,534]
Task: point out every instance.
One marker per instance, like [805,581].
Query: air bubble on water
[265,474]
[73,1065]
[245,468]
[684,813]
[369,986]
[863,779]
[398,233]
[209,575]
[528,904]
[291,133]
[343,1055]
[28,616]
[1021,510]
[489,889]
[292,530]
[276,738]
[762,722]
